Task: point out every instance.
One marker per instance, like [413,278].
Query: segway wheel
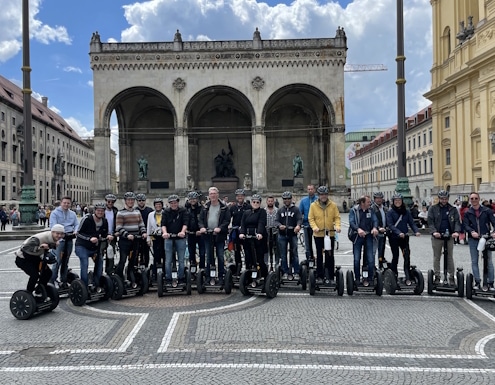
[312,282]
[200,279]
[460,284]
[469,286]
[271,285]
[22,305]
[379,283]
[229,282]
[143,277]
[430,282]
[52,292]
[159,284]
[420,281]
[107,286]
[350,282]
[78,293]
[188,282]
[340,283]
[304,276]
[390,282]
[118,287]
[243,282]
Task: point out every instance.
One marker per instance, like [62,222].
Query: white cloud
[90,83]
[73,69]
[79,127]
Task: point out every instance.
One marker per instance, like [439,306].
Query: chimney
[44,101]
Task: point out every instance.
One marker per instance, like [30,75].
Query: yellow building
[463,95]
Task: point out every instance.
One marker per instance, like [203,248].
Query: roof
[359,136]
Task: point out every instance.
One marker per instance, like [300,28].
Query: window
[419,167]
[431,164]
[424,166]
[424,138]
[4,151]
[409,145]
[431,136]
[447,122]
[3,116]
[447,157]
[13,120]
[419,141]
[414,143]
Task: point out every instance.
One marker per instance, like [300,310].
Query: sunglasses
[141,200]
[256,202]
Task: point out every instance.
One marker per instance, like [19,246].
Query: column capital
[105,132]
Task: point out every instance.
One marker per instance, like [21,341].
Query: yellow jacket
[324,217]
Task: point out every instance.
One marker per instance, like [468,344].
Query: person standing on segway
[92,230]
[194,238]
[129,223]
[272,230]
[363,222]
[33,250]
[304,206]
[155,240]
[145,212]
[443,219]
[324,217]
[289,221]
[236,211]
[64,216]
[477,221]
[398,220]
[111,216]
[379,241]
[215,216]
[174,221]
[253,223]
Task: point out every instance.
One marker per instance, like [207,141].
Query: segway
[175,286]
[211,282]
[483,291]
[192,265]
[365,284]
[234,267]
[325,285]
[436,286]
[272,257]
[412,282]
[291,281]
[80,294]
[64,287]
[251,281]
[23,304]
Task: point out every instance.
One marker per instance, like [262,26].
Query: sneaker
[56,284]
[296,277]
[491,288]
[319,281]
[451,281]
[37,295]
[285,276]
[436,281]
[331,282]
[476,286]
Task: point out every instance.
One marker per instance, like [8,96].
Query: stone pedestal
[298,184]
[143,186]
[225,185]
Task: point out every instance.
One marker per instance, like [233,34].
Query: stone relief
[258,83]
[179,84]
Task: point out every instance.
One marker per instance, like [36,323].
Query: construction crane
[364,67]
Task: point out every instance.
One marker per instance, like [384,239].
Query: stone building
[63,163]
[374,165]
[463,95]
[251,104]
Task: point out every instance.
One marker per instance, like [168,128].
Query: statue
[190,183]
[224,164]
[248,184]
[143,167]
[297,165]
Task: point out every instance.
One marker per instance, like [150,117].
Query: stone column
[102,162]
[259,177]
[181,156]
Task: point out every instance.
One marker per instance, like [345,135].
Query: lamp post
[402,186]
[28,204]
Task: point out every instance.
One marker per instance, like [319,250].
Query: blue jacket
[304,208]
[402,226]
[68,219]
[480,225]
[370,221]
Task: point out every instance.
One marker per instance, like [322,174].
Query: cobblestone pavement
[232,339]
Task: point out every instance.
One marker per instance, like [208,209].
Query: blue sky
[61,31]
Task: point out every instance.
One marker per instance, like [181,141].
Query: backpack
[14,215]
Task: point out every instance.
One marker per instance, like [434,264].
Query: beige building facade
[374,165]
[463,95]
[180,105]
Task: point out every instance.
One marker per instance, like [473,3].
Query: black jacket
[223,220]
[254,222]
[87,230]
[174,220]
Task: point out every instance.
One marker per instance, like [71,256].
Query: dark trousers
[194,241]
[254,251]
[329,258]
[402,244]
[31,266]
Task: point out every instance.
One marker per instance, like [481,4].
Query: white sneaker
[285,276]
[56,284]
[296,276]
[423,227]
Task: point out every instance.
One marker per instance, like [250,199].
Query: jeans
[473,244]
[211,243]
[356,249]
[379,246]
[84,255]
[308,241]
[179,244]
[63,252]
[283,242]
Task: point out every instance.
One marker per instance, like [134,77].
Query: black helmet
[443,194]
[110,197]
[173,198]
[193,195]
[322,190]
[158,200]
[240,191]
[100,205]
[378,194]
[129,195]
[256,197]
[396,196]
[141,197]
[287,195]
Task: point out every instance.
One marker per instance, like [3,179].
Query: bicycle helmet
[240,191]
[173,198]
[129,195]
[443,194]
[158,200]
[141,197]
[396,196]
[287,195]
[193,195]
[378,194]
[110,197]
[322,190]
[100,205]
[256,197]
